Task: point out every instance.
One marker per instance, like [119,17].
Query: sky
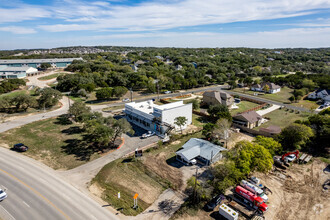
[28,24]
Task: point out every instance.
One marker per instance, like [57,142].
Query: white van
[254,189]
[3,194]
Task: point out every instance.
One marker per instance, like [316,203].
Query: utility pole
[131,94]
[158,89]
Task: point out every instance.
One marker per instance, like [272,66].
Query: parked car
[254,180]
[193,161]
[237,100]
[126,100]
[167,92]
[214,202]
[290,158]
[3,194]
[148,134]
[20,147]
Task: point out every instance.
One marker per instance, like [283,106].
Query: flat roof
[13,69]
[54,60]
[169,105]
[146,106]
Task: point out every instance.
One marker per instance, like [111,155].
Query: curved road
[36,192]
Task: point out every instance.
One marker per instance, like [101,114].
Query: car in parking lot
[20,147]
[3,194]
[148,134]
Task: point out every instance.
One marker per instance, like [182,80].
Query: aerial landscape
[177,109]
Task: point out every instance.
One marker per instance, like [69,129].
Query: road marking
[37,193]
[26,204]
[6,212]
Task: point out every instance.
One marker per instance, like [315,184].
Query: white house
[16,72]
[158,118]
[272,87]
[319,94]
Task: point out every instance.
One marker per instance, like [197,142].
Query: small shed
[204,152]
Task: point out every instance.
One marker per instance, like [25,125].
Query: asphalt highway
[36,192]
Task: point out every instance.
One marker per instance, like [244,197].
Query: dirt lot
[298,193]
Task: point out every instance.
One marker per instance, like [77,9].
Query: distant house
[139,62]
[127,61]
[134,68]
[217,97]
[261,87]
[178,67]
[319,94]
[202,151]
[248,119]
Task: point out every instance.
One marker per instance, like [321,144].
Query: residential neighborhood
[164,110]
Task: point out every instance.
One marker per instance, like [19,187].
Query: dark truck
[20,147]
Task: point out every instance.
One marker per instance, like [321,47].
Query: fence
[254,132]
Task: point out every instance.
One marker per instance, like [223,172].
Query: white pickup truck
[254,189]
[3,194]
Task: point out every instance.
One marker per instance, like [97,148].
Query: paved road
[32,118]
[36,192]
[82,175]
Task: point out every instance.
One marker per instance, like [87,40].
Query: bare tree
[221,130]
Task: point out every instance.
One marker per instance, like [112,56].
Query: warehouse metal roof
[198,147]
[55,60]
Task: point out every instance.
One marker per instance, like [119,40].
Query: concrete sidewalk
[268,110]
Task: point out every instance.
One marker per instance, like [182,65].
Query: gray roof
[16,69]
[223,97]
[198,147]
[251,116]
[55,60]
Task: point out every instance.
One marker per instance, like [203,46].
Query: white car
[290,158]
[193,161]
[3,194]
[148,134]
[167,92]
[126,100]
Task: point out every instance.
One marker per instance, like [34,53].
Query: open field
[13,94]
[52,76]
[283,118]
[243,106]
[56,144]
[148,176]
[306,104]
[282,96]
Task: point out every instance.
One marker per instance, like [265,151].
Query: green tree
[120,127]
[104,93]
[266,88]
[195,103]
[180,121]
[78,109]
[219,111]
[49,97]
[45,66]
[269,143]
[23,102]
[119,91]
[294,136]
[207,130]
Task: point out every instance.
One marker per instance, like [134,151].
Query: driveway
[268,110]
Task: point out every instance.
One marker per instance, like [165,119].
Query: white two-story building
[158,118]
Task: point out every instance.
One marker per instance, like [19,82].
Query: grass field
[148,176]
[306,104]
[13,94]
[52,76]
[243,106]
[58,146]
[282,96]
[112,108]
[283,118]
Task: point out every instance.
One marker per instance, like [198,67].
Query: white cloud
[22,14]
[18,30]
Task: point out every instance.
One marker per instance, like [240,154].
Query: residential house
[261,87]
[249,119]
[134,68]
[158,118]
[217,97]
[12,72]
[204,152]
[319,94]
[178,67]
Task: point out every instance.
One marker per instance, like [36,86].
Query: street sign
[135,196]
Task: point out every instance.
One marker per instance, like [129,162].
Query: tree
[266,88]
[219,111]
[78,109]
[49,97]
[180,121]
[195,103]
[294,136]
[269,143]
[45,66]
[221,130]
[207,130]
[232,84]
[119,91]
[120,127]
[104,93]
[23,101]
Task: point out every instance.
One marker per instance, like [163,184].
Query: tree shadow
[73,130]
[174,162]
[166,206]
[63,120]
[81,149]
